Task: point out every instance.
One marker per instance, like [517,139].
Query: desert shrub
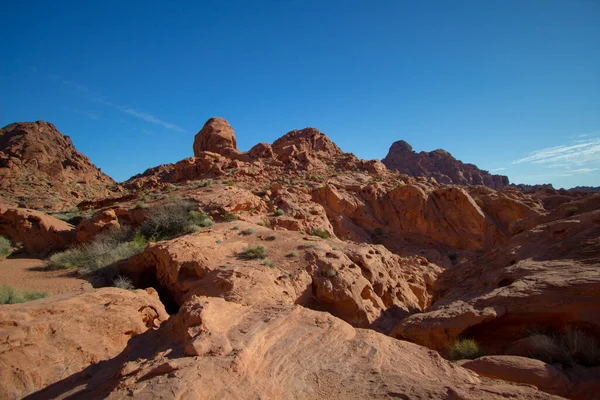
[228,216]
[123,282]
[320,232]
[5,247]
[308,246]
[464,349]
[141,206]
[105,250]
[235,228]
[278,212]
[199,218]
[291,254]
[580,347]
[250,253]
[269,263]
[570,211]
[73,217]
[10,295]
[329,272]
[271,237]
[177,217]
[248,231]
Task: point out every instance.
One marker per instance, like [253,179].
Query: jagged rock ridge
[440,165]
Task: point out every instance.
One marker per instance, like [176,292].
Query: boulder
[216,136]
[39,233]
[101,221]
[522,370]
[44,341]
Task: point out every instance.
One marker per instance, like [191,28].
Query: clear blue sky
[512,86]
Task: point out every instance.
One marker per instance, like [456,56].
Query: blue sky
[512,86]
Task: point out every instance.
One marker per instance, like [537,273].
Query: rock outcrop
[45,341]
[218,349]
[216,136]
[364,285]
[440,165]
[40,168]
[39,233]
[547,276]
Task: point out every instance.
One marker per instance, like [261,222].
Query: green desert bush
[248,231]
[177,217]
[464,349]
[102,252]
[10,295]
[228,216]
[320,232]
[250,253]
[5,247]
[278,212]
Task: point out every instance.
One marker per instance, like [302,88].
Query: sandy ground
[29,274]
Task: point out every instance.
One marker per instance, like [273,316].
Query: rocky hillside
[439,164]
[40,168]
[296,270]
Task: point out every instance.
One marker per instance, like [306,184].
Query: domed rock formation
[216,136]
[440,165]
[40,168]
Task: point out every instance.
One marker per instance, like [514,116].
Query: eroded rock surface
[218,349]
[45,341]
[39,233]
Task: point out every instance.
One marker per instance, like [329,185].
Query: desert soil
[30,274]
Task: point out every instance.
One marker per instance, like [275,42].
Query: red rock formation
[215,136]
[217,349]
[44,341]
[40,168]
[547,276]
[39,233]
[440,165]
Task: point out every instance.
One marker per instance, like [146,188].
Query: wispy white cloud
[85,92]
[497,169]
[568,155]
[90,115]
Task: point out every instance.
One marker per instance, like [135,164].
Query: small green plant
[235,228]
[271,237]
[464,349]
[228,216]
[10,295]
[228,183]
[329,272]
[308,246]
[291,254]
[570,211]
[141,206]
[5,247]
[250,253]
[269,263]
[200,219]
[279,212]
[219,241]
[248,231]
[320,232]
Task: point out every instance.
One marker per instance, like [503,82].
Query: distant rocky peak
[440,165]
